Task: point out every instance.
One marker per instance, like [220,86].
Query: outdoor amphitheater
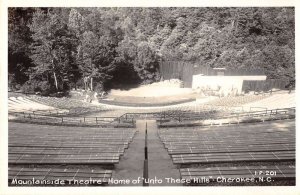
[155,135]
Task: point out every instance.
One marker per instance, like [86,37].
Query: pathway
[159,162]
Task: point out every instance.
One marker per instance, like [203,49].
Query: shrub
[98,87]
[44,87]
[34,86]
[29,87]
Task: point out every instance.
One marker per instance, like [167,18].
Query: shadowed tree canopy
[113,47]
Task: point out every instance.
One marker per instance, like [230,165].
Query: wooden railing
[239,117]
[129,118]
[65,119]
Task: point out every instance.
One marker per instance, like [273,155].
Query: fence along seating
[60,118]
[60,145]
[223,116]
[230,144]
[51,174]
[192,175]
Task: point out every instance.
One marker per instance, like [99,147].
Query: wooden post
[146,153]
[145,173]
[146,144]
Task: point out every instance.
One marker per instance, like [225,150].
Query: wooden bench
[232,157]
[63,159]
[235,148]
[215,141]
[52,145]
[44,150]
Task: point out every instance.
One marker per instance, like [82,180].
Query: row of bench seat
[232,157]
[235,101]
[42,148]
[236,144]
[20,104]
[53,152]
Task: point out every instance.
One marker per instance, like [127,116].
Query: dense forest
[56,49]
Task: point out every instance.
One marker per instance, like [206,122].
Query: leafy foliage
[19,39]
[52,50]
[62,46]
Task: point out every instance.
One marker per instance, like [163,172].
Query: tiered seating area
[50,110]
[21,104]
[225,107]
[32,149]
[194,135]
[244,144]
[276,100]
[77,107]
[235,101]
[232,109]
[216,108]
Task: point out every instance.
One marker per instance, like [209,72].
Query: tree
[97,48]
[53,48]
[62,46]
[19,40]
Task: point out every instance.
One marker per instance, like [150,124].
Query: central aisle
[159,162]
